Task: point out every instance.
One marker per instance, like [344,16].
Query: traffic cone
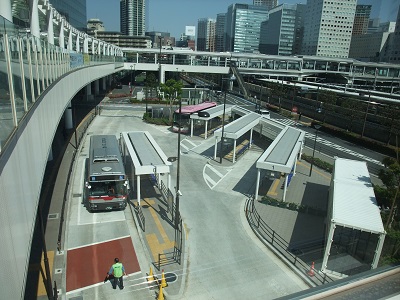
[151,276]
[160,294]
[311,272]
[163,281]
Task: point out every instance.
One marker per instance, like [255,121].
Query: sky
[173,15]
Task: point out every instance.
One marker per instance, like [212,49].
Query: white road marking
[97,243]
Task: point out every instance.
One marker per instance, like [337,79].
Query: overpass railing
[29,66]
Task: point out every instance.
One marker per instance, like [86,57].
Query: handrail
[269,237]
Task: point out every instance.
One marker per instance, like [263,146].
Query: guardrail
[269,237]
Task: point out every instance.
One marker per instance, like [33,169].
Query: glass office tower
[242,30]
[74,12]
[278,34]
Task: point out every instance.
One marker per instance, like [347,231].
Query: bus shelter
[236,129]
[208,115]
[143,156]
[355,232]
[281,156]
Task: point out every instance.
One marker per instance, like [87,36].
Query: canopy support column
[328,246]
[138,188]
[257,184]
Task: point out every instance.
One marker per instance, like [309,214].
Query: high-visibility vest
[117,269]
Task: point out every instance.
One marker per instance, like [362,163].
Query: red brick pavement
[89,265]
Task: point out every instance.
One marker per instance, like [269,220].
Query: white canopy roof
[240,126]
[146,154]
[281,155]
[354,203]
[213,112]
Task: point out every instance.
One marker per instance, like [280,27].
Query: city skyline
[176,14]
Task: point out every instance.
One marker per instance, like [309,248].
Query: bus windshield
[107,188]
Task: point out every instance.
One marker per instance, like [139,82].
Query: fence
[269,237]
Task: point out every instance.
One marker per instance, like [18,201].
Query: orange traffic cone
[151,276]
[160,294]
[311,272]
[163,281]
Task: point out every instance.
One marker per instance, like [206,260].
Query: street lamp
[131,82]
[231,79]
[178,158]
[317,127]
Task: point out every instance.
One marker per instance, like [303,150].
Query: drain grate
[52,216]
[76,195]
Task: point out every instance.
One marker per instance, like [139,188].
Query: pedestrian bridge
[270,66]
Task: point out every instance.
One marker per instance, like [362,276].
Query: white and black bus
[106,186]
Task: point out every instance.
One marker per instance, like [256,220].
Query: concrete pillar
[104,83]
[205,131]
[69,124]
[96,87]
[6,10]
[89,95]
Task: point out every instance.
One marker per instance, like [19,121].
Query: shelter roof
[146,154]
[354,204]
[281,155]
[237,128]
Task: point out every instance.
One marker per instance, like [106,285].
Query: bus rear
[106,187]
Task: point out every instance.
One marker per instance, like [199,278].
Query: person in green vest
[118,271]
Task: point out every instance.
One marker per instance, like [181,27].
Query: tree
[329,99]
[172,90]
[150,83]
[353,110]
[390,177]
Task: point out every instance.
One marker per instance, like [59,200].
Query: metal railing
[269,237]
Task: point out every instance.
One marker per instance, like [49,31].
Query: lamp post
[223,117]
[134,75]
[131,82]
[317,127]
[178,158]
[366,113]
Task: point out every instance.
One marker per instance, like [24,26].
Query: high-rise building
[74,12]
[361,19]
[268,3]
[242,31]
[219,32]
[206,35]
[391,53]
[328,26]
[278,34]
[133,17]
